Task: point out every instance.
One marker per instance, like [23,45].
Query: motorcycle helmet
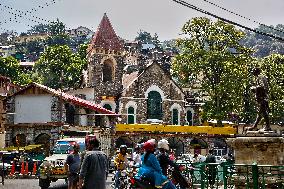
[152,141]
[164,144]
[149,146]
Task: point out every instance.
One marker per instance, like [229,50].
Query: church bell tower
[105,65]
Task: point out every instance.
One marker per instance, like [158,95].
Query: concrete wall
[32,109]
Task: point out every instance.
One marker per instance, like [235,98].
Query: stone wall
[261,149]
[31,132]
[153,77]
[95,70]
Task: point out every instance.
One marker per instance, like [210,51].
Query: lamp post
[191,101]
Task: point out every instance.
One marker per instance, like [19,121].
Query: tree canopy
[273,68]
[39,29]
[57,34]
[212,58]
[58,67]
[10,67]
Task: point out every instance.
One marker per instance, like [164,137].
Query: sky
[128,17]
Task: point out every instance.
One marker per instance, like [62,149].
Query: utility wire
[21,13]
[21,17]
[10,20]
[244,17]
[226,20]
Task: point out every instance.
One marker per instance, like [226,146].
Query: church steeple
[105,64]
[105,36]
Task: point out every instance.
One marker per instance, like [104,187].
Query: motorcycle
[123,180]
[148,183]
[141,183]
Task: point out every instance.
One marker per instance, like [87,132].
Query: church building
[146,95]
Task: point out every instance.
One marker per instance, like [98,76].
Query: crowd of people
[90,169]
[153,161]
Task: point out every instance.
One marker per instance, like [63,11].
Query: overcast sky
[163,17]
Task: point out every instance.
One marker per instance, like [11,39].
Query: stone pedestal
[260,152]
[260,148]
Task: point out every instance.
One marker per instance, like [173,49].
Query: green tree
[59,67]
[39,29]
[35,47]
[57,34]
[6,38]
[212,57]
[273,68]
[144,37]
[10,67]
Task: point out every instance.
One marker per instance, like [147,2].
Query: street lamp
[190,98]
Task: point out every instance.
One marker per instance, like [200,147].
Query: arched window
[130,115]
[108,107]
[189,117]
[154,105]
[175,117]
[108,71]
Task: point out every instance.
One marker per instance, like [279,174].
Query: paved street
[33,184]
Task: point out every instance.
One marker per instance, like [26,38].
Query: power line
[10,20]
[28,11]
[19,15]
[244,16]
[22,14]
[226,20]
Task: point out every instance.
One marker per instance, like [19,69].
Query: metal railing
[233,176]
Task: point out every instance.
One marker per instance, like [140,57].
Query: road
[33,184]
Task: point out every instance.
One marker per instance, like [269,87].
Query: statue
[261,94]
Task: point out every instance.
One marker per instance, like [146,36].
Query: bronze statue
[261,94]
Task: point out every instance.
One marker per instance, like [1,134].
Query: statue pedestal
[261,148]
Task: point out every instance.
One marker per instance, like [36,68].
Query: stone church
[146,95]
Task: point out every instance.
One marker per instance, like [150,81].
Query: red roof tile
[73,99]
[105,36]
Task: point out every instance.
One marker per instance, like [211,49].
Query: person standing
[212,170]
[72,166]
[94,168]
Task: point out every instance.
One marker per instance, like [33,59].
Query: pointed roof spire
[105,36]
